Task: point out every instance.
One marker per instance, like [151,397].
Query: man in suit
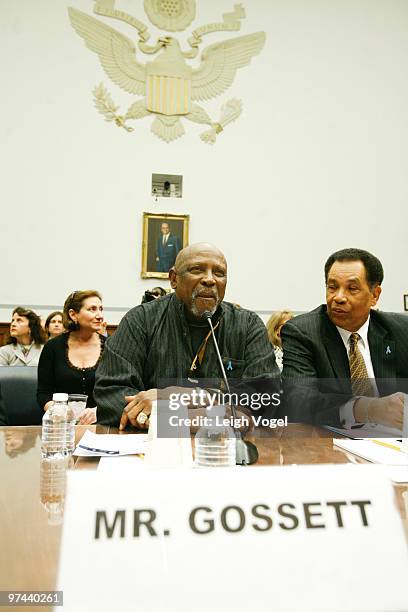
[168,246]
[344,363]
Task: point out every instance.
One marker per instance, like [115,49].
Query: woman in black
[69,361]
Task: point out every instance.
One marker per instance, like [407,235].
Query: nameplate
[310,538]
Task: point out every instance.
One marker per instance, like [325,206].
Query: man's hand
[142,403]
[88,417]
[138,409]
[388,410]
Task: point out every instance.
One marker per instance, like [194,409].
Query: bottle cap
[60,397]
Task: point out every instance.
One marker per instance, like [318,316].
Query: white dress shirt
[346,411]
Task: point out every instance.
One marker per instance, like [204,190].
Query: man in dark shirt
[168,339]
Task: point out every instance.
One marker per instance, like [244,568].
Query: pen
[387,445]
[99,450]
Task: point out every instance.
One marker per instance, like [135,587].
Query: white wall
[316,162]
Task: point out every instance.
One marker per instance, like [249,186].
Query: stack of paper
[110,445]
[386,451]
[366,430]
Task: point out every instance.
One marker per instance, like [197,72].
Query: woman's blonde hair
[274,324]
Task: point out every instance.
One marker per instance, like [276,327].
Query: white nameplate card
[310,538]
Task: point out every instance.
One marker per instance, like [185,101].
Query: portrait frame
[179,227]
[406,302]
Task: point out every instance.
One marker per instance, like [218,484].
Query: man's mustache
[205,294]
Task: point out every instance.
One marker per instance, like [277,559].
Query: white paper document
[386,451]
[366,430]
[110,445]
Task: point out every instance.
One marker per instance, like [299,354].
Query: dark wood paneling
[111,329]
[4,330]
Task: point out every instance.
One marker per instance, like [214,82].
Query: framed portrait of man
[164,235]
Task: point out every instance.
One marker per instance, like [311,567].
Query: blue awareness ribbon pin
[229,366]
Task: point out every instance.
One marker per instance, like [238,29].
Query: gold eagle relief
[170,88]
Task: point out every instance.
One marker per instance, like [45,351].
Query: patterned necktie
[360,383]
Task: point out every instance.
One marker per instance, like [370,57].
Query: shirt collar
[362,332]
[25,346]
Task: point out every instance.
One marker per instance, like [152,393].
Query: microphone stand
[246,452]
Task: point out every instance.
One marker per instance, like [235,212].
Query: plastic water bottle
[70,430]
[52,487]
[215,442]
[58,428]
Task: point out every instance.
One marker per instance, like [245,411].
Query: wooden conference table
[29,545]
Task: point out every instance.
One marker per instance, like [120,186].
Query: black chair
[18,387]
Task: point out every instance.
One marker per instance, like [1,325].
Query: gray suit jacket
[12,355]
[316,369]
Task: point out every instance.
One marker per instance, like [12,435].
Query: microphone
[246,452]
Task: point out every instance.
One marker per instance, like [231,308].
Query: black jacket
[316,369]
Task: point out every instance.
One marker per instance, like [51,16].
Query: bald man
[167,339]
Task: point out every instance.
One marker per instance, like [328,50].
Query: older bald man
[168,339]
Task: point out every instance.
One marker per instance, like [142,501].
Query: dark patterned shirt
[152,346]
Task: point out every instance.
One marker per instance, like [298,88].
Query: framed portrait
[164,235]
[406,301]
